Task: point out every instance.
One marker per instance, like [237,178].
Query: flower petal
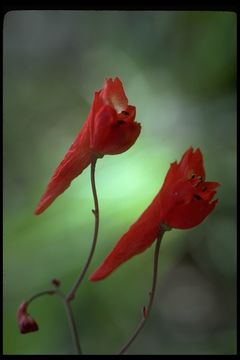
[110,134]
[137,239]
[113,94]
[77,158]
[189,215]
[192,163]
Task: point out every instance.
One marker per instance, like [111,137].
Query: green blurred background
[179,70]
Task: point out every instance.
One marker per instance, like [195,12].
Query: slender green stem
[70,296]
[146,310]
[42,293]
[72,326]
[71,321]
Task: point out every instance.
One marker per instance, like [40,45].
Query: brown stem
[146,310]
[70,296]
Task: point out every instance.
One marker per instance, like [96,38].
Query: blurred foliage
[179,70]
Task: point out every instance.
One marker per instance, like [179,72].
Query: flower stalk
[146,310]
[75,287]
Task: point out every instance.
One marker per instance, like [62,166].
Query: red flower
[109,129]
[183,202]
[25,323]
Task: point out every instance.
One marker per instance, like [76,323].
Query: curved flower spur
[183,202]
[110,129]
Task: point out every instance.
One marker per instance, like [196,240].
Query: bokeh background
[179,70]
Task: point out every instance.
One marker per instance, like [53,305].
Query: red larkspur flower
[183,202]
[26,323]
[109,129]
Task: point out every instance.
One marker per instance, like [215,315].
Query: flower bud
[26,323]
[56,282]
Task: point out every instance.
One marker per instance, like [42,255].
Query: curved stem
[146,310]
[68,309]
[70,296]
[42,293]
